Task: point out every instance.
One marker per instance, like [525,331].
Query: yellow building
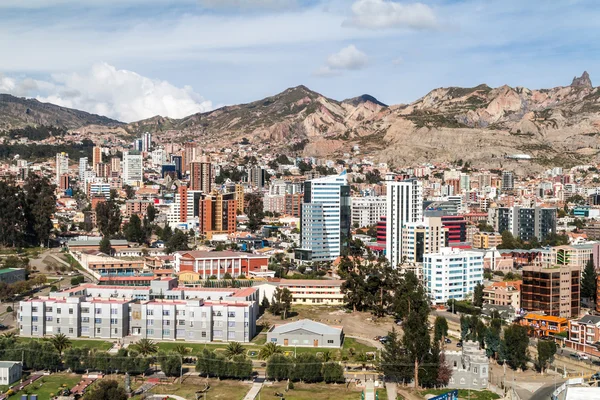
[486,240]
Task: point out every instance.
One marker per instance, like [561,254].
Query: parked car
[446,340]
[3,327]
[459,344]
[595,377]
[384,340]
[583,356]
[579,356]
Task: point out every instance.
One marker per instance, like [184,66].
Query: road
[545,391]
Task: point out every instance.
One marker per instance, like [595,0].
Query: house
[306,333]
[503,294]
[585,330]
[545,325]
[10,372]
[506,313]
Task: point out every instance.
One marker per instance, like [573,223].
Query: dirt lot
[357,324]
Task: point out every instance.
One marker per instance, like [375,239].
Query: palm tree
[9,335]
[268,350]
[234,349]
[182,350]
[326,356]
[145,347]
[60,342]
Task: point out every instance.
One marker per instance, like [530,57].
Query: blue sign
[453,395]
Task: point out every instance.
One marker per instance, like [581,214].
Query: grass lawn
[76,343]
[360,347]
[48,385]
[222,390]
[315,391]
[464,394]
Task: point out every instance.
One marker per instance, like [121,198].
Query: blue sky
[131,59]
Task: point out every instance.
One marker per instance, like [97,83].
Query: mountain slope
[17,112]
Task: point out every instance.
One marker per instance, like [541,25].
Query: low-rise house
[545,325]
[470,367]
[585,330]
[10,372]
[306,333]
[503,294]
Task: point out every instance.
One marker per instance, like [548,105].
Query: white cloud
[119,94]
[249,4]
[348,58]
[383,14]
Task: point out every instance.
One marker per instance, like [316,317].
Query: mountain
[17,112]
[483,125]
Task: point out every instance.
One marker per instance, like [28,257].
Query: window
[167,323]
[166,332]
[149,331]
[113,321]
[85,310]
[166,313]
[218,333]
[203,334]
[475,370]
[58,330]
[97,320]
[70,311]
[85,319]
[48,309]
[58,310]
[58,320]
[98,330]
[48,318]
[98,311]
[113,311]
[116,330]
[181,322]
[329,341]
[231,314]
[150,322]
[232,324]
[203,315]
[34,309]
[71,330]
[230,335]
[34,328]
[149,312]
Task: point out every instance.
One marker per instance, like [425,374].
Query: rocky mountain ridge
[484,125]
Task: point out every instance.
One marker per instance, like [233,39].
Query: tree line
[26,211]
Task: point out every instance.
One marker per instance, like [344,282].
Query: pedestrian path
[369,390]
[391,390]
[254,390]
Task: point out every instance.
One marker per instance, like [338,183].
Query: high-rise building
[146,142]
[452,274]
[83,166]
[256,176]
[96,155]
[201,175]
[404,205]
[366,211]
[115,164]
[137,144]
[178,161]
[190,151]
[456,229]
[159,157]
[64,182]
[508,181]
[62,166]
[325,225]
[293,204]
[217,214]
[524,222]
[420,238]
[239,198]
[554,291]
[133,169]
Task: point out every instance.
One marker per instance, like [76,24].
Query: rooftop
[309,325]
[7,270]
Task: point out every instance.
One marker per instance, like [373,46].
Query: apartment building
[585,331]
[133,168]
[452,274]
[420,238]
[201,175]
[366,211]
[572,255]
[486,240]
[139,207]
[217,214]
[524,223]
[168,313]
[553,291]
[503,294]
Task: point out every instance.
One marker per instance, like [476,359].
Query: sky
[133,59]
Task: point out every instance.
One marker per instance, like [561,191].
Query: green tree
[279,367]
[514,347]
[182,350]
[546,350]
[105,246]
[307,368]
[440,329]
[208,363]
[282,302]
[170,363]
[589,281]
[254,210]
[146,347]
[40,205]
[177,242]
[151,213]
[233,349]
[394,363]
[492,337]
[508,241]
[268,350]
[106,389]
[478,295]
[60,342]
[166,234]
[108,216]
[133,230]
[333,373]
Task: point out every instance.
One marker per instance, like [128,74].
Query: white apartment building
[146,141]
[133,168]
[159,312]
[159,157]
[452,274]
[62,165]
[325,218]
[404,205]
[366,211]
[83,166]
[420,238]
[99,189]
